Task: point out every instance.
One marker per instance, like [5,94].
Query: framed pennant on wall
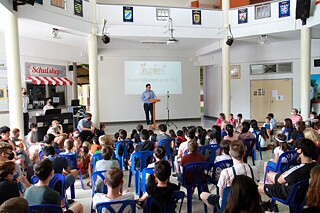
[284,9]
[127,14]
[243,16]
[78,8]
[196,17]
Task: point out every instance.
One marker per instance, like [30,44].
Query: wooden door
[271,96]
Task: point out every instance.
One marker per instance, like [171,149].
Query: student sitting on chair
[41,193]
[114,182]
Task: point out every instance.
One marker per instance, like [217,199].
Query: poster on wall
[315,83]
[78,8]
[48,70]
[127,14]
[58,3]
[4,102]
[196,17]
[243,16]
[284,9]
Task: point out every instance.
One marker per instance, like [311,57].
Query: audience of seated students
[162,133]
[254,129]
[193,156]
[60,165]
[243,196]
[6,155]
[297,133]
[295,117]
[32,136]
[231,136]
[15,205]
[215,135]
[287,128]
[245,133]
[222,117]
[231,120]
[181,135]
[136,137]
[280,185]
[313,193]
[239,122]
[8,183]
[172,133]
[237,152]
[224,149]
[56,129]
[158,185]
[34,158]
[281,146]
[273,121]
[5,136]
[200,135]
[114,182]
[268,126]
[190,136]
[41,193]
[312,135]
[264,139]
[223,129]
[86,128]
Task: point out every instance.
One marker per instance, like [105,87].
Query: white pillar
[225,61]
[85,95]
[14,75]
[93,77]
[305,71]
[75,83]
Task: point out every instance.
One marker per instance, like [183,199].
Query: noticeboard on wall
[4,101]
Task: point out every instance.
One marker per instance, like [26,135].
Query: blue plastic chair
[124,204]
[125,155]
[256,135]
[216,171]
[40,155]
[94,159]
[250,146]
[94,177]
[72,162]
[212,148]
[142,156]
[287,132]
[290,158]
[45,208]
[145,171]
[169,151]
[196,172]
[224,199]
[169,208]
[296,198]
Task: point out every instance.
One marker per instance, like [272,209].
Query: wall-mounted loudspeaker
[303,10]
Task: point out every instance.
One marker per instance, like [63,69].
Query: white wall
[116,106]
[245,55]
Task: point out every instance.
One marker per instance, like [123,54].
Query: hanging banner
[284,9]
[243,16]
[127,14]
[33,69]
[196,17]
[78,8]
[39,1]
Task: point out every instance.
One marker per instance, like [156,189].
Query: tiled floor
[84,196]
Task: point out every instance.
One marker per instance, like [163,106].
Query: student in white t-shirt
[114,182]
[281,147]
[224,148]
[264,139]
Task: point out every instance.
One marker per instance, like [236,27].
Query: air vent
[155,42]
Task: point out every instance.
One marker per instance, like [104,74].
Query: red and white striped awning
[49,80]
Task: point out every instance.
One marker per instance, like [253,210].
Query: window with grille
[261,69]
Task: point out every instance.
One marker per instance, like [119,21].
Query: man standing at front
[148,107]
[25,103]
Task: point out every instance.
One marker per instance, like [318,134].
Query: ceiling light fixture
[262,39]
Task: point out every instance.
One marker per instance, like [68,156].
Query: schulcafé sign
[46,70]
